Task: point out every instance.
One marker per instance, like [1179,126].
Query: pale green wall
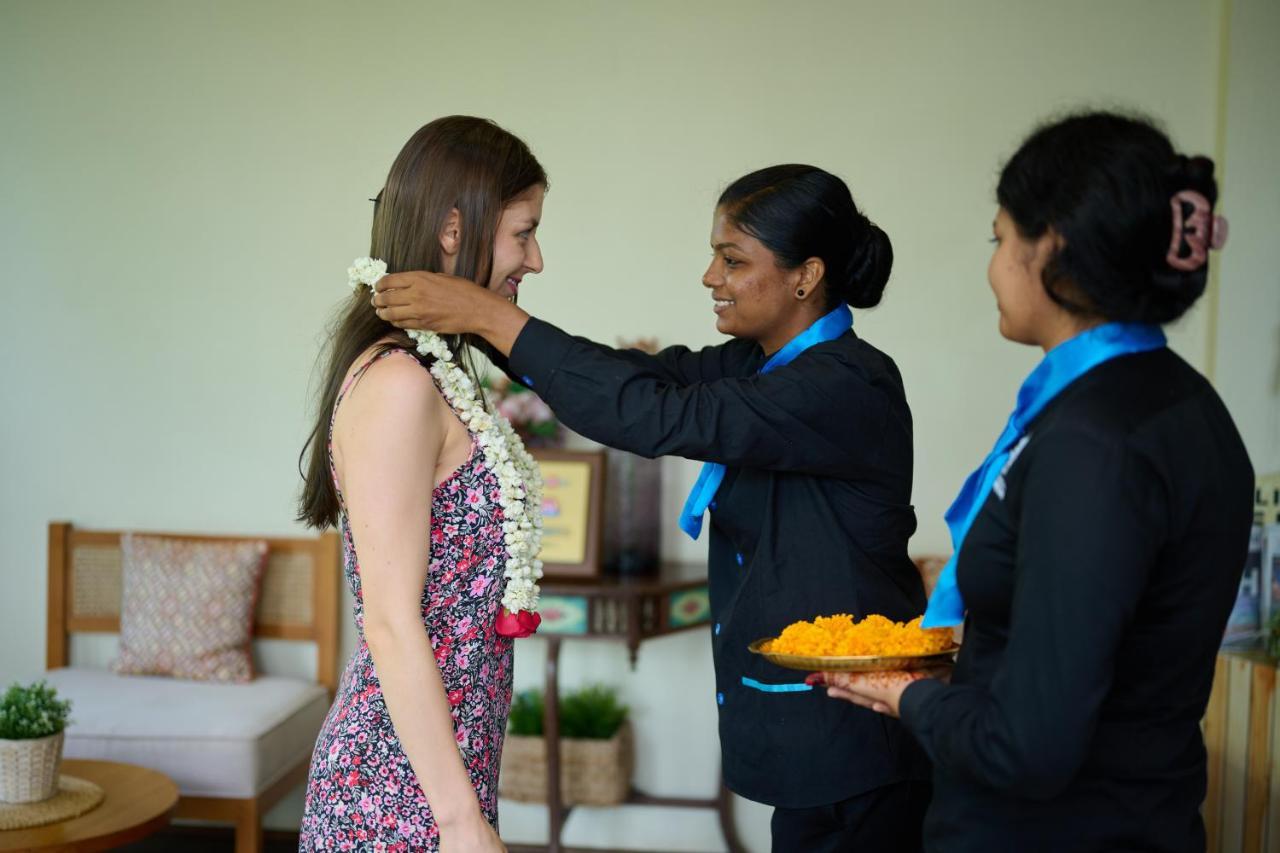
[1247,343]
[182,186]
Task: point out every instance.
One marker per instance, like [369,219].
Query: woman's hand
[472,835]
[429,301]
[879,691]
[447,304]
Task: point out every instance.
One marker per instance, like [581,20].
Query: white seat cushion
[213,740]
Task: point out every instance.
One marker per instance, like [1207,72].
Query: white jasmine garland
[519,479]
[365,271]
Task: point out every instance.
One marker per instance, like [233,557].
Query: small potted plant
[596,756]
[32,721]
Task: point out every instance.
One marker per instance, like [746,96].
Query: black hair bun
[869,268]
[1196,173]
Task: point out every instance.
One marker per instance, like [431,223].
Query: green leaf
[33,711]
[526,713]
[593,712]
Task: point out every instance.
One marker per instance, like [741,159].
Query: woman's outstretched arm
[444,303]
[792,420]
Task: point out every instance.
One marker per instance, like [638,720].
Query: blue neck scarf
[1061,366]
[828,328]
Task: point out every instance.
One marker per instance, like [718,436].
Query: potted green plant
[32,722]
[596,755]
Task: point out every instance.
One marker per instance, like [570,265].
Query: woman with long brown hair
[400,460]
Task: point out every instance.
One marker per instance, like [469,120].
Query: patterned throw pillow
[188,607]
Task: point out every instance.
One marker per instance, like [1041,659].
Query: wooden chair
[298,601]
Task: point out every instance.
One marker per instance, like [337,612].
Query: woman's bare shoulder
[395,384]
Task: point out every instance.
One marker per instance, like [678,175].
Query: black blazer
[812,519]
[1098,581]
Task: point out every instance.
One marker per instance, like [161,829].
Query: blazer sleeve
[818,415]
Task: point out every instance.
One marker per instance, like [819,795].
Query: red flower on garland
[517,625]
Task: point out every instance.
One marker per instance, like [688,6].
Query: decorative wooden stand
[633,610]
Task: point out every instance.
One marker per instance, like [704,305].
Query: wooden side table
[137,802]
[632,610]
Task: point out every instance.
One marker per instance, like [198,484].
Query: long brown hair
[458,162]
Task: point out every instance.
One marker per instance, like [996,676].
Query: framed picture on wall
[572,511]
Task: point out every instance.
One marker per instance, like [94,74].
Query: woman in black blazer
[1100,546]
[807,435]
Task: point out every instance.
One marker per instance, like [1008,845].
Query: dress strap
[333,416]
[360,371]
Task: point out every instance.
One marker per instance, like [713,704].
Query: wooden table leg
[551,733]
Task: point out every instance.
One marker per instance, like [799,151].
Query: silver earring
[800,293]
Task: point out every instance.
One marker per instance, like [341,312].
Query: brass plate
[854,663]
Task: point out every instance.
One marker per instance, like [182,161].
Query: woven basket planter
[592,772]
[29,768]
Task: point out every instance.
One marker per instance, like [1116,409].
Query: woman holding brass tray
[1100,546]
[806,435]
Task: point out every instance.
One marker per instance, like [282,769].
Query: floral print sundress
[362,794]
